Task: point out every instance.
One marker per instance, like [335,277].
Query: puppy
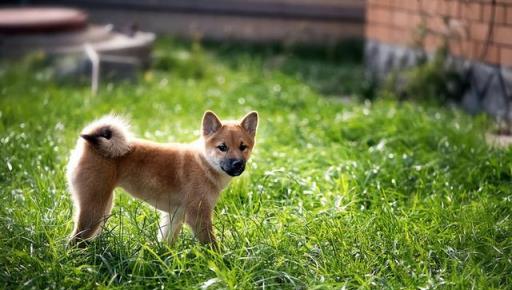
[183,181]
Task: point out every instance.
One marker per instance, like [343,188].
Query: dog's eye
[222,147]
[243,147]
[106,133]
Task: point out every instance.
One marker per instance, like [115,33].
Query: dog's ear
[211,123]
[250,123]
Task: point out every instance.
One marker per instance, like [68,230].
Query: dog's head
[228,145]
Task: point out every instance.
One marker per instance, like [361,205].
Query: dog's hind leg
[92,213]
[92,190]
[92,180]
[170,224]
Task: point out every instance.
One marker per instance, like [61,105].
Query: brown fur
[183,181]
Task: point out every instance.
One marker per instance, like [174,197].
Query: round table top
[41,20]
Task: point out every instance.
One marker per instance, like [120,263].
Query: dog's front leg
[170,224]
[199,218]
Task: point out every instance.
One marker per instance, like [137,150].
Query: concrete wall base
[489,86]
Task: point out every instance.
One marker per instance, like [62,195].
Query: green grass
[339,193]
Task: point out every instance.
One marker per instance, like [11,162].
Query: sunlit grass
[338,193]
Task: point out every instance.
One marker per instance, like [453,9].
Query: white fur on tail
[110,135]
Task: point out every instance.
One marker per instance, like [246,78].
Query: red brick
[430,7]
[401,18]
[388,2]
[414,20]
[449,8]
[412,5]
[471,10]
[437,24]
[479,31]
[380,15]
[400,36]
[502,34]
[454,8]
[488,53]
[506,56]
[463,48]
[443,8]
[500,13]
[380,32]
[400,4]
[509,15]
[464,23]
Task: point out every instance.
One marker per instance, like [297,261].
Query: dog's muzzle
[233,167]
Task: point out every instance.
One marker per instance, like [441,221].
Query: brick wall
[465,25]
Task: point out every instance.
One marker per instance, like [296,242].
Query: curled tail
[110,136]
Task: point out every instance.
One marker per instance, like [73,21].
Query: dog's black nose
[237,164]
[233,167]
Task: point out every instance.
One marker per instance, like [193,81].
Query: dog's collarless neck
[215,176]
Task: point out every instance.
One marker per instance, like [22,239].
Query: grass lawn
[339,192]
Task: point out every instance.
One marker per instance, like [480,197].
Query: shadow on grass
[334,70]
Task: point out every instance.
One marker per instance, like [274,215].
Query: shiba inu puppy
[183,181]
